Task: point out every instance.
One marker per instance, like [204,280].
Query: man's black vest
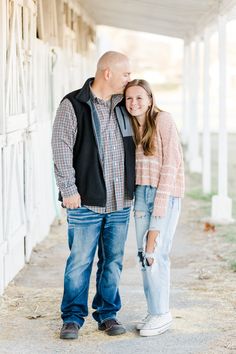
[86,154]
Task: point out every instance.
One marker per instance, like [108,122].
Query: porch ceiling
[175,18]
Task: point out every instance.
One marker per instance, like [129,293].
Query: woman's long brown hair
[147,139]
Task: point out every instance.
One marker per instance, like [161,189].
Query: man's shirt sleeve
[63,140]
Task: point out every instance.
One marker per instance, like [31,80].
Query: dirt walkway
[203,298]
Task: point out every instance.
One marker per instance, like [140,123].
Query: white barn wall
[14,218]
[37,75]
[3,27]
[2,243]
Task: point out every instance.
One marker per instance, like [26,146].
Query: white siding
[34,78]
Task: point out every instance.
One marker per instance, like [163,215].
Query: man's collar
[115,99]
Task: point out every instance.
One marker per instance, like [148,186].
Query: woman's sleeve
[171,160]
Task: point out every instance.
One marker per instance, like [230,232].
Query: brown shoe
[112,327]
[69,331]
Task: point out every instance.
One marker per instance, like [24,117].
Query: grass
[233,266]
[226,234]
[194,187]
[198,195]
[229,235]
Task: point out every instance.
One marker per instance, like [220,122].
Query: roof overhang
[175,18]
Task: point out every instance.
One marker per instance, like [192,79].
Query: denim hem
[160,313]
[77,323]
[108,318]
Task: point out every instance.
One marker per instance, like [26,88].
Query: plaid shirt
[65,131]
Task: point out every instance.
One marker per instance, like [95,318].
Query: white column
[206,142]
[103,42]
[221,203]
[194,158]
[186,66]
[189,106]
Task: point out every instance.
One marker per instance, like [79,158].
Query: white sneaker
[143,321]
[156,325]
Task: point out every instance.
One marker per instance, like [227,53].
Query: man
[94,156]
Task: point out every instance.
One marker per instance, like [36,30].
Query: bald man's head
[113,73]
[110,60]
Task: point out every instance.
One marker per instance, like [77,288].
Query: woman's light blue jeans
[156,278]
[86,231]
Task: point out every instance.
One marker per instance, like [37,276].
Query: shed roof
[175,18]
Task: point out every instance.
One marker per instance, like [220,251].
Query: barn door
[20,119]
[15,226]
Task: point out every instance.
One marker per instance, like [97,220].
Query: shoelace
[110,323]
[146,318]
[70,326]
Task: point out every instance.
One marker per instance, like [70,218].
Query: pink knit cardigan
[165,169]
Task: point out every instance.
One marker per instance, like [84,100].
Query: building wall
[46,49]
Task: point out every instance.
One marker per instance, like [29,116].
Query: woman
[159,188]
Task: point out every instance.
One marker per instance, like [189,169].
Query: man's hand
[72,202]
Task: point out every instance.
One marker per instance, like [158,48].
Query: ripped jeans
[156,278]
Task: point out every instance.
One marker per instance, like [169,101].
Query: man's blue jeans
[86,230]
